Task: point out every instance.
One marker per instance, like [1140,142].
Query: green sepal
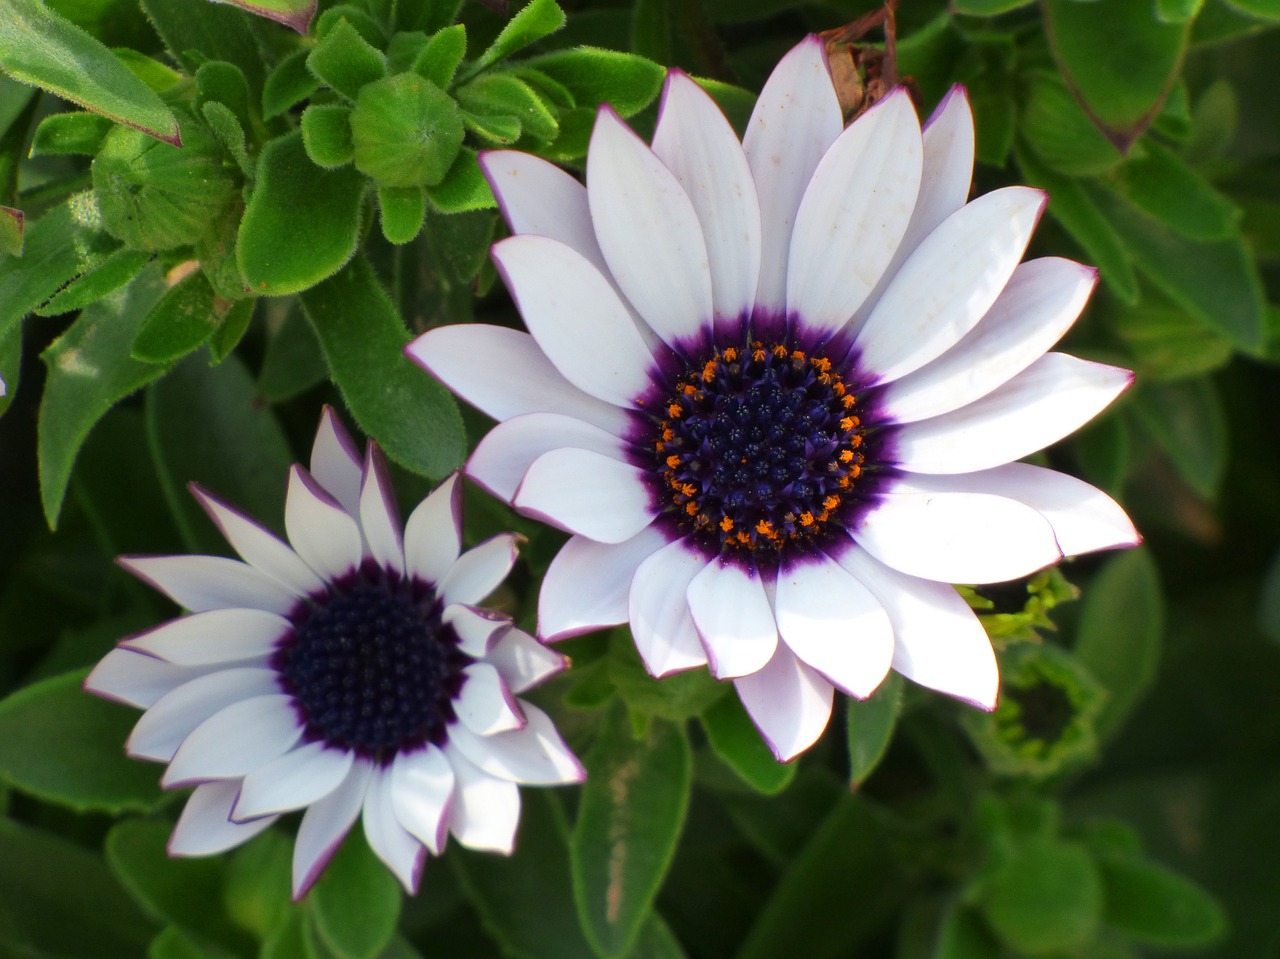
[276,255]
[326,134]
[439,59]
[497,95]
[75,133]
[870,723]
[464,187]
[183,319]
[537,19]
[738,744]
[402,211]
[406,131]
[289,83]
[220,82]
[345,61]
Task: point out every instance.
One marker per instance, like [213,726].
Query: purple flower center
[758,451]
[371,665]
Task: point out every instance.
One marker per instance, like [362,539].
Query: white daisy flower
[348,673]
[776,390]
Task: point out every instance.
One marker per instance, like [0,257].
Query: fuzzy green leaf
[275,254]
[90,369]
[870,724]
[346,61]
[498,95]
[537,19]
[326,134]
[72,132]
[41,48]
[594,76]
[217,31]
[441,55]
[292,13]
[289,83]
[183,319]
[412,417]
[464,187]
[737,743]
[402,211]
[64,746]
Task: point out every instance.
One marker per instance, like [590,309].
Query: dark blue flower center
[371,666]
[759,450]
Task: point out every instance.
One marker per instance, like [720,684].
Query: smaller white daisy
[348,673]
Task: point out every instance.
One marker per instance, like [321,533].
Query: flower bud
[406,131]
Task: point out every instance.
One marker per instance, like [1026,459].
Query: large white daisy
[776,390]
[348,672]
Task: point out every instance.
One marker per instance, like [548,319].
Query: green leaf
[63,133]
[525,901]
[656,941]
[355,903]
[1122,83]
[346,61]
[41,48]
[1262,9]
[187,892]
[1075,209]
[362,16]
[174,943]
[326,134]
[846,860]
[537,19]
[207,425]
[293,361]
[62,745]
[676,698]
[497,95]
[629,822]
[156,75]
[1177,11]
[403,210]
[464,187]
[184,318]
[10,366]
[1169,343]
[412,417]
[651,30]
[1064,138]
[1047,896]
[11,223]
[963,935]
[292,13]
[870,724]
[594,76]
[441,55]
[278,256]
[1119,636]
[256,887]
[1162,185]
[228,132]
[89,370]
[220,82]
[1188,422]
[57,899]
[289,83]
[738,744]
[1157,907]
[989,8]
[217,31]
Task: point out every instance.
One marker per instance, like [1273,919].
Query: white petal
[538,197]
[138,679]
[1054,396]
[299,778]
[205,827]
[1083,518]
[325,824]
[834,624]
[586,585]
[477,627]
[524,662]
[421,793]
[534,754]
[164,726]
[485,811]
[957,537]
[218,636]
[379,514]
[586,493]
[335,462]
[938,641]
[648,231]
[508,450]
[789,703]
[794,122]
[390,841]
[1040,302]
[698,145]
[949,282]
[201,583]
[504,373]
[484,704]
[576,318]
[854,213]
[433,535]
[480,570]
[235,741]
[732,613]
[324,534]
[658,608]
[260,548]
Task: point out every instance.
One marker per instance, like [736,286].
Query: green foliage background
[173,315]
